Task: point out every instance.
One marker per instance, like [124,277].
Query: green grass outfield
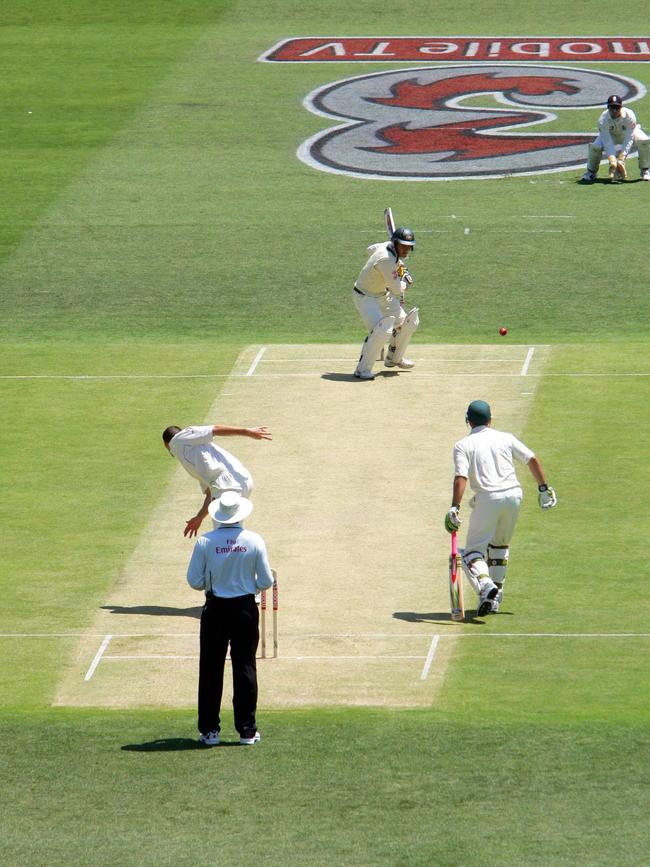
[154,220]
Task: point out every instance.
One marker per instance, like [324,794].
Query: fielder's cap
[230,508]
[615,100]
[479,412]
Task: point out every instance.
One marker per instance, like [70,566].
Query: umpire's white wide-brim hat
[230,508]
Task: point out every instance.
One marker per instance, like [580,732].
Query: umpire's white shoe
[363,374]
[588,178]
[404,364]
[488,592]
[249,738]
[645,175]
[210,739]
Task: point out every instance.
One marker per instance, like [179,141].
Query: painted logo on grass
[457,122]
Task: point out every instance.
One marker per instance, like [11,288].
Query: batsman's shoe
[588,178]
[404,364]
[645,175]
[249,738]
[489,591]
[364,374]
[210,739]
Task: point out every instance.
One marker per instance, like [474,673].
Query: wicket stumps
[276,605]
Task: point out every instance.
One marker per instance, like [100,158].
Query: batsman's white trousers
[493,519]
[372,309]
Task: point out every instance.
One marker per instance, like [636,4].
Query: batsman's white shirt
[230,561]
[211,465]
[621,131]
[486,458]
[380,272]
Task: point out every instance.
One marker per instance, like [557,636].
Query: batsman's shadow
[154,610]
[350,377]
[441,618]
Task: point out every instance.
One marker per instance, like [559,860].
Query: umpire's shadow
[154,610]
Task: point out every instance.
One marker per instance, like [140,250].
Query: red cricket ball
[503,331]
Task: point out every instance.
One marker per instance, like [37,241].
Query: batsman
[486,458]
[378,296]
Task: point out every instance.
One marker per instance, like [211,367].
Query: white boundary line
[430,655]
[98,656]
[256,361]
[529,358]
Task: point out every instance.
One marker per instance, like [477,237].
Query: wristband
[542,488]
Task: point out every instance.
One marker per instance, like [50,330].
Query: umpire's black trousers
[224,622]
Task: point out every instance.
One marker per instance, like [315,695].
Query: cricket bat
[390,228]
[455,582]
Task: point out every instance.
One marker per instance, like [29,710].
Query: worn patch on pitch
[350,496]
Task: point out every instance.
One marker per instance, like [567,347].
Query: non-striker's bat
[455,582]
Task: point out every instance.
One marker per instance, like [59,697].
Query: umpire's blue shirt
[230,561]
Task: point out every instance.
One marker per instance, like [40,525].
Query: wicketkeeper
[377,295]
[486,457]
[618,134]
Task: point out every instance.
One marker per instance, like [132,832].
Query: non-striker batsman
[486,458]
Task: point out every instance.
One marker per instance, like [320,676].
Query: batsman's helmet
[404,236]
[614,101]
[478,412]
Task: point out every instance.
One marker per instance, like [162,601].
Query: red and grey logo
[430,124]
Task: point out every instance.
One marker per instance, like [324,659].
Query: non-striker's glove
[547,498]
[452,519]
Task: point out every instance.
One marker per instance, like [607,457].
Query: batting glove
[406,276]
[547,498]
[452,519]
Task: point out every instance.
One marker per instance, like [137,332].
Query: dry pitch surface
[350,496]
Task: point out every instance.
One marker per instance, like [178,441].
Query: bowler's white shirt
[486,458]
[206,461]
[380,272]
[230,561]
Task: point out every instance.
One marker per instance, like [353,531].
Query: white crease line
[256,361]
[98,656]
[330,658]
[529,358]
[430,655]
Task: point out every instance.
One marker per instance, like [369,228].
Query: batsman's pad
[375,341]
[402,335]
[497,560]
[475,568]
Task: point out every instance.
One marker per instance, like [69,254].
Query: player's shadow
[172,745]
[350,377]
[154,610]
[605,182]
[441,618]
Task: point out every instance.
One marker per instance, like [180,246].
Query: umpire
[231,565]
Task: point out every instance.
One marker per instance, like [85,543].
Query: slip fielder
[376,295]
[618,134]
[486,458]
